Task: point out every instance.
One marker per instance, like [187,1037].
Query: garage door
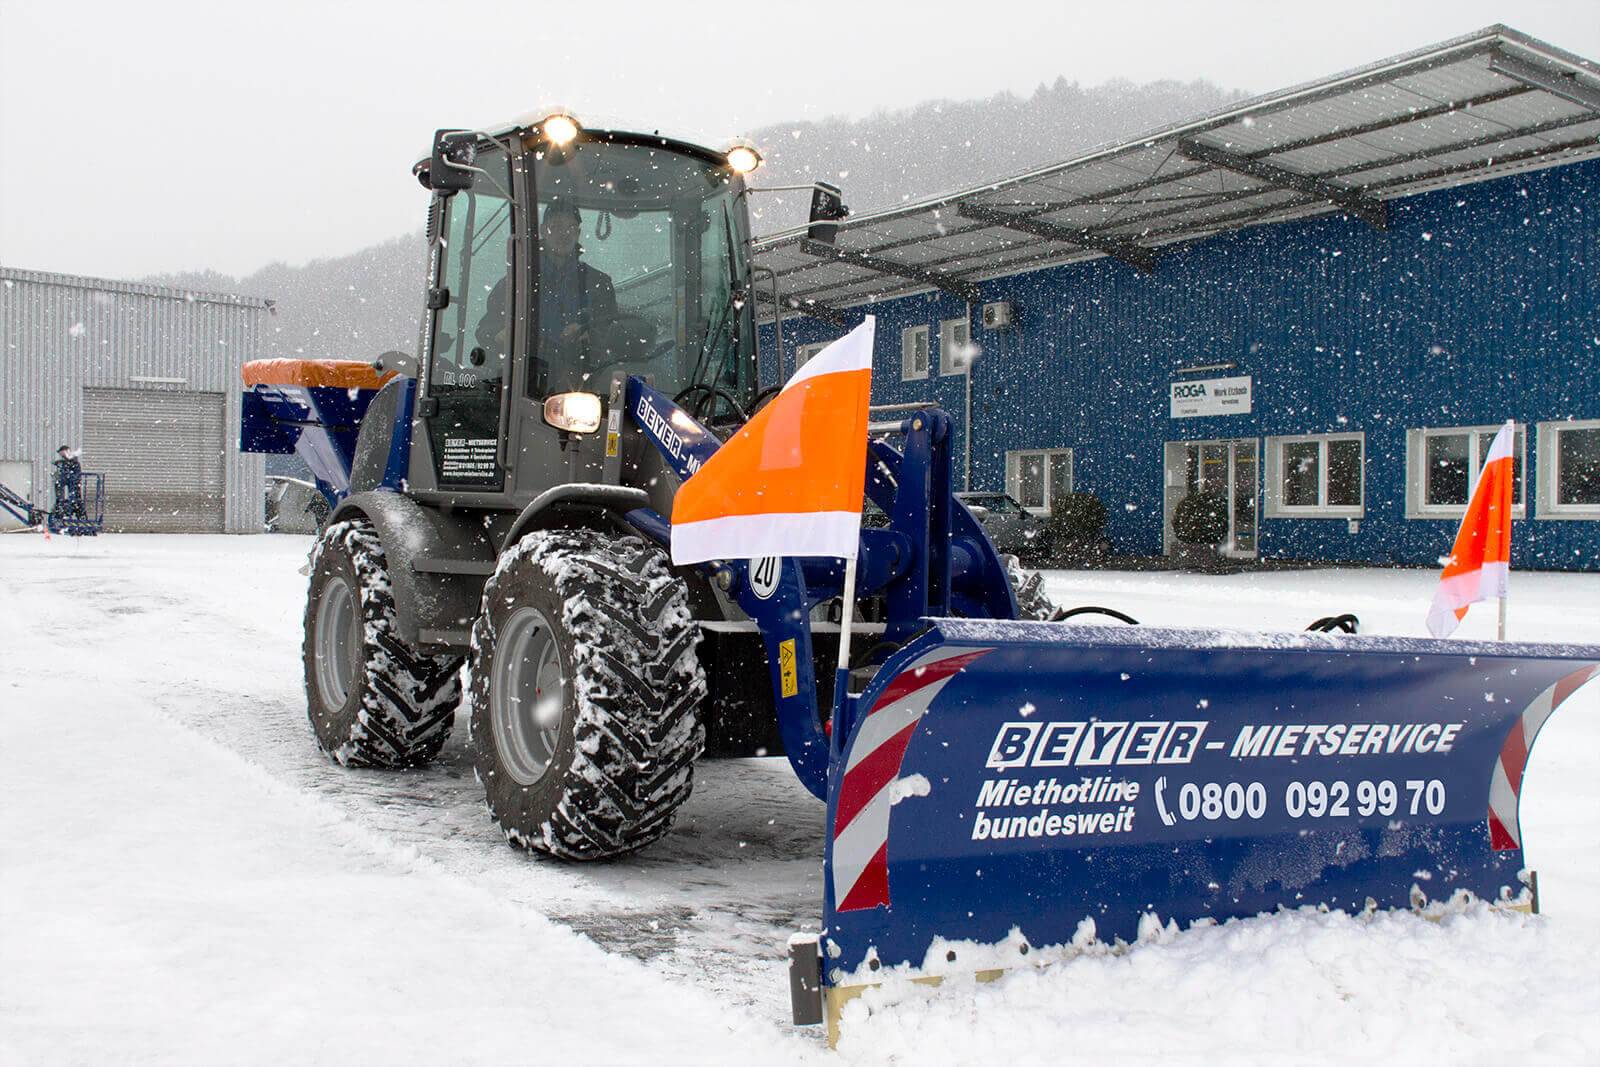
[161,453]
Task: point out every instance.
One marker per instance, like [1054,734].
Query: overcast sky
[159,136]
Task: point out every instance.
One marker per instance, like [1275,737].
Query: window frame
[1417,506]
[947,362]
[1273,484]
[906,370]
[1013,478]
[1548,470]
[804,354]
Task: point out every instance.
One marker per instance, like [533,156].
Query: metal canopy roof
[1480,106]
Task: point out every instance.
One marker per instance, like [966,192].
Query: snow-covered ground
[183,878]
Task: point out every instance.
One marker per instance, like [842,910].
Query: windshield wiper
[736,297]
[713,336]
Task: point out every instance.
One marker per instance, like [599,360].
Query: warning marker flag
[1479,565]
[790,482]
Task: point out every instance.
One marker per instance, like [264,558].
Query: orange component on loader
[324,373]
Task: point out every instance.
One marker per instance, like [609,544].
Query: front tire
[373,700]
[584,695]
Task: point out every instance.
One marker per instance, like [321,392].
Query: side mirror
[450,169]
[827,209]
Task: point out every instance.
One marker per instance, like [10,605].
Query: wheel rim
[527,696]
[338,641]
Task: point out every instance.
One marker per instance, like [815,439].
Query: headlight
[742,159]
[559,129]
[577,412]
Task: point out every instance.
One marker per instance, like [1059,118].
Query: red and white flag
[1480,563]
[790,482]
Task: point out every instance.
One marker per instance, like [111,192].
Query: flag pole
[1502,616]
[841,681]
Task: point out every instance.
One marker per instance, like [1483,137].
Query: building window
[1569,469]
[955,344]
[1037,478]
[1442,468]
[913,353]
[1317,476]
[804,353]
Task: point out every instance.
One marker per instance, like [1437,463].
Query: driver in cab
[574,299]
[575,304]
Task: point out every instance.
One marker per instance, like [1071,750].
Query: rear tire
[585,692]
[1033,603]
[373,700]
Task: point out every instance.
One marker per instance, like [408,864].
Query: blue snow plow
[1009,788]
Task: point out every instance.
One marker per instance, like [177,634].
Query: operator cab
[565,257]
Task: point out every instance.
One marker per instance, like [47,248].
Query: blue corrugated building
[1321,303]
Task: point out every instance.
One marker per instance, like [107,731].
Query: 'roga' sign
[1210,396]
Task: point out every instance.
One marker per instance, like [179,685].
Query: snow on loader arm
[1005,788]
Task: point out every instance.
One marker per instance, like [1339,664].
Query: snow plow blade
[1004,785]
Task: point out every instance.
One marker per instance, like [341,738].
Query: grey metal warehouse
[144,380]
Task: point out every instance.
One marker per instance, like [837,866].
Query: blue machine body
[80,509]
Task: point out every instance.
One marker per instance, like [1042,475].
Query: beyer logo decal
[659,428]
[1094,744]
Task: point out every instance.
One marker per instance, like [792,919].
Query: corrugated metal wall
[62,334]
[1478,303]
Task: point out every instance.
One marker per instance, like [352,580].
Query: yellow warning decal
[786,671]
[611,443]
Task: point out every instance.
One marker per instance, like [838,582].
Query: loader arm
[934,559]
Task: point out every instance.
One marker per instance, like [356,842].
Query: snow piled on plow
[184,879]
[1298,987]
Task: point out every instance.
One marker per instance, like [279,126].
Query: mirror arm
[453,165]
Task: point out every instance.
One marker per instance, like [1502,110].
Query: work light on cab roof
[560,129]
[743,158]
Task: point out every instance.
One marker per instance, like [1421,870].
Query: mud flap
[1008,786]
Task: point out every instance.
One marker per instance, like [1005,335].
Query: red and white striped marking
[861,819]
[1506,786]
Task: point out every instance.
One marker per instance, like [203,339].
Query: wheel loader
[997,787]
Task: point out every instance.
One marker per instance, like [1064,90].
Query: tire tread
[636,685]
[408,699]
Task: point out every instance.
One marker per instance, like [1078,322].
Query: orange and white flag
[1479,566]
[789,483]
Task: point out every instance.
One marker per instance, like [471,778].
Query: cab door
[471,334]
